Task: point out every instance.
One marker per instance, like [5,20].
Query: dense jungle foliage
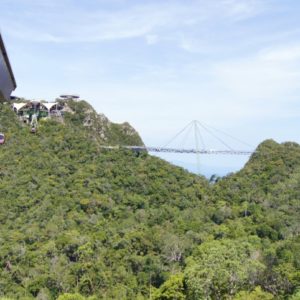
[80,222]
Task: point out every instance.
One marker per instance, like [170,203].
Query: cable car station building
[25,110]
[7,79]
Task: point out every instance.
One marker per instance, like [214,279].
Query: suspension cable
[227,134]
[216,137]
[200,136]
[197,146]
[179,133]
[185,138]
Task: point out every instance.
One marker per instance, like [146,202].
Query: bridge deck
[175,150]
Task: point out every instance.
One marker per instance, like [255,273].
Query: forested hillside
[81,222]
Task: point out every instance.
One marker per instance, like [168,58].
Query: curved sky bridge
[200,145]
[199,140]
[180,150]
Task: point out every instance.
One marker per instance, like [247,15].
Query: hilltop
[76,218]
[97,126]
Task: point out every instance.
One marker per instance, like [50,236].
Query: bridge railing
[178,150]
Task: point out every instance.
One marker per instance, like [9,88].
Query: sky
[232,64]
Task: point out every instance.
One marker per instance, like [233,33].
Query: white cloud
[282,54]
[152,39]
[241,9]
[266,75]
[63,22]
[261,86]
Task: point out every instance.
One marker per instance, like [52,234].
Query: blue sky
[234,64]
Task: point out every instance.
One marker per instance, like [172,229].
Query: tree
[296,295]
[172,289]
[220,268]
[71,297]
[256,294]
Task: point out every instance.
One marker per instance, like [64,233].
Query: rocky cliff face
[99,126]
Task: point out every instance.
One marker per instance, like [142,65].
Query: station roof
[6,59]
[19,106]
[47,105]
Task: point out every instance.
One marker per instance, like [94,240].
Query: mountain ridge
[115,225]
